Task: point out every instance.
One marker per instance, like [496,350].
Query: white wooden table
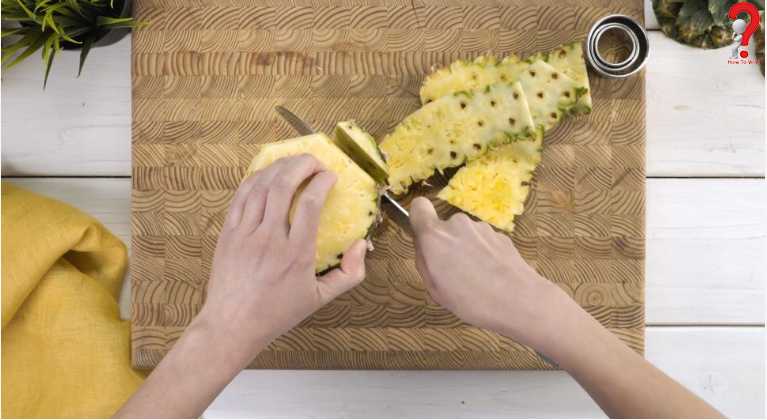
[706,202]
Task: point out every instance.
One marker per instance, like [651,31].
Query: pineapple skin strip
[453,129]
[484,70]
[351,209]
[494,186]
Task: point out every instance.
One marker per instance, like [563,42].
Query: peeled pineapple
[351,208]
[494,186]
[362,148]
[451,129]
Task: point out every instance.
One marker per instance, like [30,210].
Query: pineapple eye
[503,77]
[430,151]
[540,94]
[474,76]
[567,94]
[532,73]
[370,213]
[516,95]
[453,155]
[463,105]
[562,53]
[512,121]
[340,256]
[428,100]
[492,103]
[477,146]
[480,123]
[555,75]
[553,115]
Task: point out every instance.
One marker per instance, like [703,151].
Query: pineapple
[351,208]
[569,59]
[451,129]
[362,148]
[494,186]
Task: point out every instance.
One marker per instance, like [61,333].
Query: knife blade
[304,129]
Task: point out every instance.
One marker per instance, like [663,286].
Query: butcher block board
[206,77]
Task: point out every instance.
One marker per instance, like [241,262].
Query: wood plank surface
[722,365]
[704,241]
[205,83]
[87,119]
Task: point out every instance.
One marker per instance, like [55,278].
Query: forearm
[189,377]
[621,381]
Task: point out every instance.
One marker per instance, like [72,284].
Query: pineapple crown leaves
[700,23]
[49,25]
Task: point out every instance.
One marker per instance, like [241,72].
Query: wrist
[226,347]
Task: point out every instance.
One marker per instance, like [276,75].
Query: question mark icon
[737,26]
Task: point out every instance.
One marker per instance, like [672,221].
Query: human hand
[479,275]
[263,282]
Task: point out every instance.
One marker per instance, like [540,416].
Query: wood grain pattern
[205,80]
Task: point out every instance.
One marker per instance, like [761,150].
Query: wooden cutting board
[206,76]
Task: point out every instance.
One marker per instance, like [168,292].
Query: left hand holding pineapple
[264,267]
[262,284]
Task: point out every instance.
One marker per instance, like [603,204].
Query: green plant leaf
[27,11]
[48,63]
[34,46]
[8,32]
[86,48]
[111,22]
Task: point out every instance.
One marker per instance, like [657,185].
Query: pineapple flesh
[494,186]
[452,129]
[351,208]
[362,148]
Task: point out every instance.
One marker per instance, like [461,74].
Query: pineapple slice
[362,148]
[568,58]
[460,76]
[351,208]
[494,186]
[451,129]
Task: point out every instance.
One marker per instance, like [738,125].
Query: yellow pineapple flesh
[351,208]
[362,148]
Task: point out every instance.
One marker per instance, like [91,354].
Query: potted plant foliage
[52,25]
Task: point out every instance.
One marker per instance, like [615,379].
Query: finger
[306,220]
[237,207]
[350,274]
[423,216]
[253,214]
[283,187]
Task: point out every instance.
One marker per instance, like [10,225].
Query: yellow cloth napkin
[65,351]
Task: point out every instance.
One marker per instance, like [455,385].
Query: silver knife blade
[305,129]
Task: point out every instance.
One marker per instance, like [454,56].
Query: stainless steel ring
[639,46]
[622,65]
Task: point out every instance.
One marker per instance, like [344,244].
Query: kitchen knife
[305,129]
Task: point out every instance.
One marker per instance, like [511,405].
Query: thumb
[350,274]
[423,216]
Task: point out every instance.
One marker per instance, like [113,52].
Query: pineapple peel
[352,206]
[452,129]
